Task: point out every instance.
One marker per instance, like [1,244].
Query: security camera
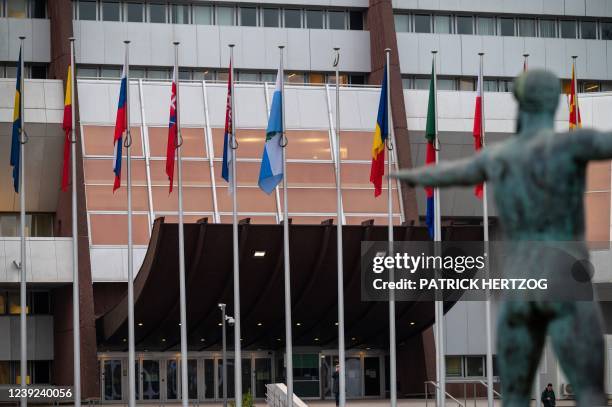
[230,320]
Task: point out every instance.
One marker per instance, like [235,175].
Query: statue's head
[537,91]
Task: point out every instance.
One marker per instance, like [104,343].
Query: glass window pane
[248,16]
[293,18]
[591,87]
[335,20]
[137,73]
[157,13]
[466,84]
[465,25]
[110,10]
[402,22]
[316,77]
[406,83]
[202,15]
[38,9]
[506,27]
[548,28]
[269,77]
[38,72]
[357,79]
[180,14]
[589,30]
[135,12]
[294,77]
[225,15]
[87,10]
[446,84]
[2,311]
[474,366]
[526,27]
[17,8]
[271,17]
[568,28]
[314,19]
[453,366]
[486,26]
[422,23]
[442,24]
[184,74]
[421,83]
[8,225]
[85,72]
[110,72]
[11,71]
[355,20]
[490,85]
[248,76]
[157,74]
[606,31]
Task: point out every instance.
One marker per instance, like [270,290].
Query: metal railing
[276,396]
[465,382]
[435,384]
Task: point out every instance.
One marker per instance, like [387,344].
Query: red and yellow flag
[574,109]
[67,126]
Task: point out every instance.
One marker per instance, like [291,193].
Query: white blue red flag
[172,135]
[226,167]
[120,127]
[271,171]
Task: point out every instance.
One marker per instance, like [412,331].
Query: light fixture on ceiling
[259,253]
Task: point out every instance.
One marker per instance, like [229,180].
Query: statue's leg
[519,346]
[579,345]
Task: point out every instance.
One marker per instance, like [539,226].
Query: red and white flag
[172,135]
[478,128]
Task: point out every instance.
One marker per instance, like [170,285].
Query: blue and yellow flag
[381,132]
[17,123]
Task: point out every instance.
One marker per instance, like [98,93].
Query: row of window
[219,75]
[468,366]
[36,225]
[39,372]
[504,26]
[37,302]
[208,14]
[23,8]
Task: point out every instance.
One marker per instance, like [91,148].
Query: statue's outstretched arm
[590,144]
[469,171]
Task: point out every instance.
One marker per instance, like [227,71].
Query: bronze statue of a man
[539,179]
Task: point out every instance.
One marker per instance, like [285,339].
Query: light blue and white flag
[271,172]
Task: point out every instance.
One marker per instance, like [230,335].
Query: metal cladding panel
[608,60]
[160,46]
[273,37]
[456,330]
[351,116]
[602,106]
[556,61]
[293,117]
[408,46]
[537,48]
[575,7]
[231,35]
[556,7]
[311,105]
[470,47]
[512,56]
[114,35]
[191,104]
[450,54]
[140,38]
[596,8]
[252,48]
[427,43]
[298,49]
[94,101]
[90,44]
[470,4]
[405,4]
[429,4]
[250,107]
[576,47]
[208,51]
[494,54]
[217,97]
[368,105]
[40,329]
[450,5]
[186,35]
[157,102]
[596,56]
[41,48]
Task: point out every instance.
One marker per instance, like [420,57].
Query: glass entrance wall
[111,380]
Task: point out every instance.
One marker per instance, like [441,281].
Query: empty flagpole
[392,346]
[130,259]
[181,239]
[23,303]
[341,346]
[76,326]
[288,336]
[485,222]
[237,344]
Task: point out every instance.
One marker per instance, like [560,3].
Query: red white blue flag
[226,166]
[172,135]
[120,128]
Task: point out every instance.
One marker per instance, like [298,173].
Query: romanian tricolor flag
[67,126]
[574,109]
[430,158]
[17,126]
[380,137]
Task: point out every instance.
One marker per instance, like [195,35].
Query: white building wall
[37,45]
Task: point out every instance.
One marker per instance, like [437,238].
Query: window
[591,87]
[294,77]
[180,14]
[110,72]
[17,8]
[474,366]
[314,19]
[402,22]
[486,26]
[406,83]
[526,27]
[421,83]
[199,75]
[446,84]
[40,371]
[86,72]
[316,77]
[568,28]
[202,15]
[465,25]
[2,311]
[506,86]
[5,372]
[466,84]
[38,9]
[135,12]
[355,20]
[335,20]
[110,10]
[158,74]
[588,30]
[268,77]
[157,13]
[184,74]
[293,18]
[442,24]
[41,303]
[358,79]
[490,85]
[248,76]
[606,31]
[11,71]
[14,303]
[422,23]
[38,71]
[453,366]
[271,17]
[87,10]
[548,28]
[506,27]
[331,78]
[137,73]
[248,16]
[225,15]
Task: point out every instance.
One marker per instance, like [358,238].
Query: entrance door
[371,381]
[172,379]
[263,376]
[353,377]
[150,379]
[111,379]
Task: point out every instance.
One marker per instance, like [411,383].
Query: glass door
[150,379]
[263,376]
[209,380]
[171,379]
[371,381]
[192,378]
[353,377]
[111,379]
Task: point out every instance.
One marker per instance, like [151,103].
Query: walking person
[548,396]
[336,384]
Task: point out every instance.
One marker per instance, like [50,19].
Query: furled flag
[574,109]
[172,135]
[226,166]
[271,172]
[67,126]
[430,158]
[120,127]
[17,126]
[381,132]
[478,129]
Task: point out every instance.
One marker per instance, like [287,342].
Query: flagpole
[288,335]
[128,146]
[237,344]
[76,325]
[439,304]
[485,222]
[392,345]
[23,302]
[340,268]
[525,62]
[181,239]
